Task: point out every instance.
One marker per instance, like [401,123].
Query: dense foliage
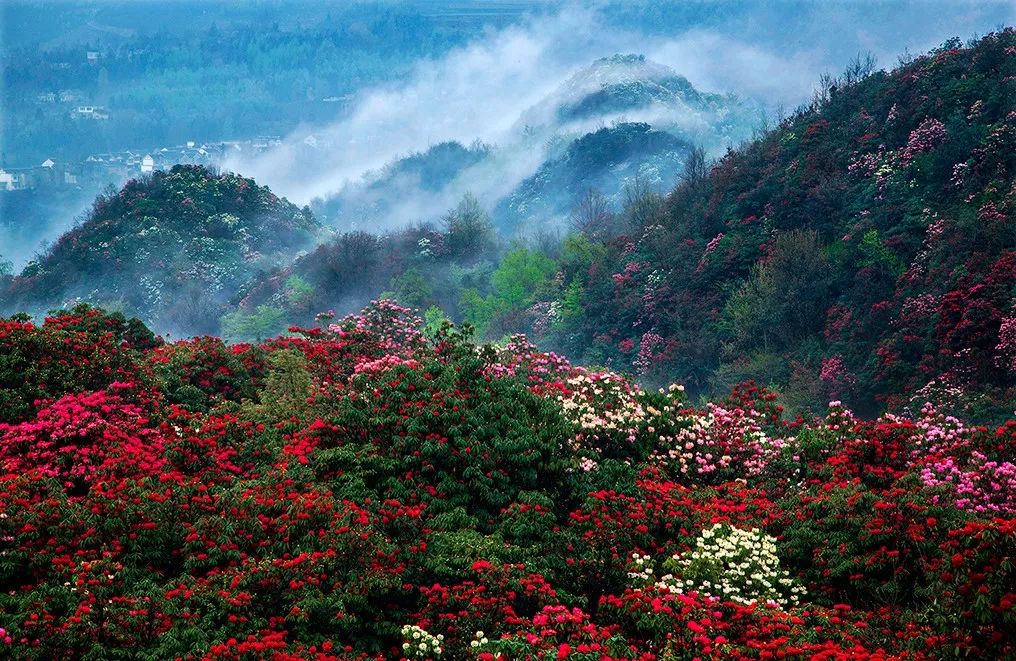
[862,250]
[172,247]
[375,489]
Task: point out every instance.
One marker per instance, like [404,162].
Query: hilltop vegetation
[606,160]
[172,247]
[862,250]
[373,489]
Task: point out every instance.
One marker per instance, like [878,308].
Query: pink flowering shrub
[82,438]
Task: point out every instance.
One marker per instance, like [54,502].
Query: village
[98,170]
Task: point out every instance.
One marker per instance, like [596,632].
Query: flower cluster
[718,439]
[604,407]
[732,564]
[420,644]
[519,358]
[207,500]
[927,136]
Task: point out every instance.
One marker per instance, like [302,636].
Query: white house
[147,163]
[6,180]
[91,112]
[48,163]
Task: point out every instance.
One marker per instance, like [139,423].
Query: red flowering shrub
[80,439]
[76,351]
[194,372]
[362,492]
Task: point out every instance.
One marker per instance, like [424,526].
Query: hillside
[373,489]
[607,160]
[374,203]
[631,87]
[171,248]
[863,250]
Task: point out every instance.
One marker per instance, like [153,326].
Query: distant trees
[519,276]
[592,215]
[469,230]
[515,285]
[642,205]
[696,169]
[784,298]
[264,322]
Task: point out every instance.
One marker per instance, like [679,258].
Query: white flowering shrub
[717,444]
[602,405]
[419,644]
[478,640]
[731,564]
[605,410]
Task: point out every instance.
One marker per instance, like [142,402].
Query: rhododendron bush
[364,490]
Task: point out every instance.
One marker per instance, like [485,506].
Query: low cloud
[770,55]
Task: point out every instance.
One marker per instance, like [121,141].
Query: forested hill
[172,247]
[864,249]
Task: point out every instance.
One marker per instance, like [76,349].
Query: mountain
[374,201]
[634,88]
[861,251]
[171,248]
[533,175]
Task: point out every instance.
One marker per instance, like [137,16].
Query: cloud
[714,62]
[772,54]
[475,92]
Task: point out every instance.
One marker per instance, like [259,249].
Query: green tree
[519,277]
[434,318]
[476,310]
[288,383]
[785,296]
[264,322]
[411,288]
[299,292]
[875,253]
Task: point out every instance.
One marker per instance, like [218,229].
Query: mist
[770,57]
[30,221]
